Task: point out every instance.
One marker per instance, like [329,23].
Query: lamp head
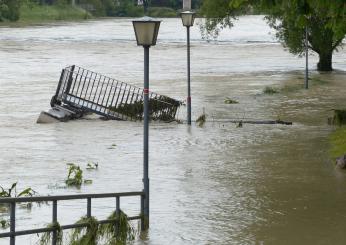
[146,30]
[188,18]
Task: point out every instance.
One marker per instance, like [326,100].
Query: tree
[9,10]
[325,21]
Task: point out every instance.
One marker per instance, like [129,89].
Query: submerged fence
[88,91]
[54,199]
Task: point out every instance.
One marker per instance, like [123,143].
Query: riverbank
[40,14]
[46,13]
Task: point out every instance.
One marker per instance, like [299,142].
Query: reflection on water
[264,184]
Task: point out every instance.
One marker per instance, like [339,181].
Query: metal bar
[55,221]
[105,92]
[74,83]
[70,79]
[92,88]
[146,134]
[67,197]
[117,211]
[63,227]
[89,207]
[188,79]
[81,92]
[109,95]
[116,103]
[142,213]
[116,87]
[85,78]
[86,91]
[103,82]
[98,83]
[13,223]
[79,83]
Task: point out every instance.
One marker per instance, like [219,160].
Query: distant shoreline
[46,14]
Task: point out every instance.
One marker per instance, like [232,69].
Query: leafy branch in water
[201,119]
[230,101]
[88,235]
[12,192]
[47,236]
[92,166]
[74,176]
[4,224]
[118,232]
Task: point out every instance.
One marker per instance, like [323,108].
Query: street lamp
[146,30]
[188,18]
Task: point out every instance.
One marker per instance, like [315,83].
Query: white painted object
[186,5]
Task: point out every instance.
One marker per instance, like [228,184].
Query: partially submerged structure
[81,91]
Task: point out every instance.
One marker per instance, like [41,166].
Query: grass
[50,13]
[338,143]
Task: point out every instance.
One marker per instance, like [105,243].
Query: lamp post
[146,30]
[188,18]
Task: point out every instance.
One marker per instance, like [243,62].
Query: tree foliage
[325,21]
[9,10]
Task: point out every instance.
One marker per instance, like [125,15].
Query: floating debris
[230,101]
[81,91]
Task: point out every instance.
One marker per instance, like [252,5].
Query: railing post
[13,223]
[142,213]
[89,207]
[55,220]
[117,211]
[70,79]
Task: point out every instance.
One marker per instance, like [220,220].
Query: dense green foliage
[325,21]
[50,10]
[9,10]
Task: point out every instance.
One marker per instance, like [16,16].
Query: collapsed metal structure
[80,91]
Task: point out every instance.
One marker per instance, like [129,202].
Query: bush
[9,10]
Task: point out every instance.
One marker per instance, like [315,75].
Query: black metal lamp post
[146,30]
[188,18]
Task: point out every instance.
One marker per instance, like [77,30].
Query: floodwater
[217,184]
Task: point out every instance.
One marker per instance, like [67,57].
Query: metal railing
[89,91]
[13,233]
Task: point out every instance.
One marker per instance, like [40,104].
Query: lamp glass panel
[188,18]
[146,32]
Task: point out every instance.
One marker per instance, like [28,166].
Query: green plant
[74,176]
[339,117]
[160,108]
[270,90]
[230,101]
[201,120]
[47,236]
[92,166]
[4,224]
[88,235]
[12,191]
[118,232]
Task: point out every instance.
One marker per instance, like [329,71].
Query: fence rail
[92,92]
[12,201]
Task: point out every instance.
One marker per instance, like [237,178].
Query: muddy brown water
[219,184]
